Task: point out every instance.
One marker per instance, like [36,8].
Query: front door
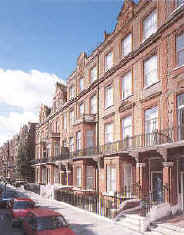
[182,189]
[157,185]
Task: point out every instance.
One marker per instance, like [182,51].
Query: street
[82,222]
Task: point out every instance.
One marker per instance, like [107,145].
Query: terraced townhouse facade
[117,126]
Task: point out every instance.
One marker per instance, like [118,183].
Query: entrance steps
[136,223]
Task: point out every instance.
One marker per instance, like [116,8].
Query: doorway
[157,185]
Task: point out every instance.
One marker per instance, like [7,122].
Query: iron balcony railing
[156,137]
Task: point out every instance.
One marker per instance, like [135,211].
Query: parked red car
[19,208]
[42,221]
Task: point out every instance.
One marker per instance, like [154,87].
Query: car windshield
[51,222]
[9,195]
[23,205]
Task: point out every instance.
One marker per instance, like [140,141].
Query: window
[127,45]
[108,133]
[108,96]
[90,177]
[108,61]
[150,71]
[81,84]
[111,179]
[64,143]
[93,74]
[89,138]
[81,109]
[127,177]
[56,149]
[180,49]
[180,111]
[78,140]
[72,118]
[64,121]
[127,85]
[79,176]
[71,144]
[127,127]
[71,92]
[180,2]
[151,126]
[93,105]
[150,25]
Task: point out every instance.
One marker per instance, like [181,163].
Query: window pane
[81,84]
[78,140]
[127,45]
[81,109]
[127,85]
[79,176]
[109,133]
[180,2]
[150,25]
[150,71]
[89,138]
[111,179]
[71,143]
[108,61]
[151,120]
[93,104]
[90,177]
[93,74]
[180,49]
[108,97]
[127,127]
[127,175]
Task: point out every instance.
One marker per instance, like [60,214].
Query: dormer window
[81,84]
[108,61]
[127,45]
[150,25]
[93,74]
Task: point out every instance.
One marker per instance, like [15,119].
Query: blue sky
[40,41]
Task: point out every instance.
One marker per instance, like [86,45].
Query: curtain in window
[93,74]
[111,179]
[79,176]
[108,97]
[108,133]
[90,177]
[78,140]
[180,49]
[93,105]
[108,61]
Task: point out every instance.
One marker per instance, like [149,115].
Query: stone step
[169,229]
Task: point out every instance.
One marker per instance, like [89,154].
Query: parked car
[19,208]
[7,196]
[42,221]
[18,183]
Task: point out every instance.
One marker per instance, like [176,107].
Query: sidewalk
[86,223]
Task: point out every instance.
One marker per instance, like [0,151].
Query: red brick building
[117,126]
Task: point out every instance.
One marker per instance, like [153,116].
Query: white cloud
[26,91]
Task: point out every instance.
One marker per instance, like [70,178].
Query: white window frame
[108,61]
[64,121]
[111,178]
[81,109]
[93,74]
[71,92]
[127,85]
[90,177]
[108,133]
[93,104]
[89,138]
[150,71]
[71,144]
[128,176]
[150,24]
[81,83]
[151,120]
[108,96]
[126,127]
[180,50]
[127,45]
[79,176]
[72,117]
[78,140]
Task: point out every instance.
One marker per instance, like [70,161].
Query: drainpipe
[98,126]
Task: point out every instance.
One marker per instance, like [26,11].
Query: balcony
[84,152]
[86,118]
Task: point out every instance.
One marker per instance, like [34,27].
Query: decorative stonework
[140,164]
[150,97]
[109,115]
[168,164]
[126,14]
[125,105]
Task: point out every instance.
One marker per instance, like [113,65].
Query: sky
[40,41]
